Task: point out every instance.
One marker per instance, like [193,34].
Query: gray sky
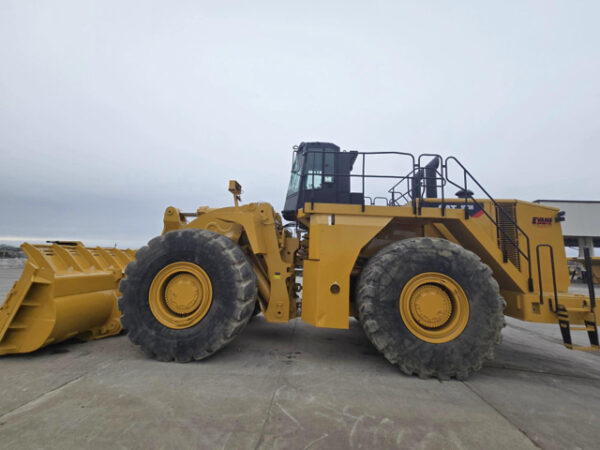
[111,111]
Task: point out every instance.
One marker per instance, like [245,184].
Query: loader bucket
[65,291]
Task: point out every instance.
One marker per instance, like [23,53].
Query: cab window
[319,168]
[295,176]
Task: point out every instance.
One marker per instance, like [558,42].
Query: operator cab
[320,174]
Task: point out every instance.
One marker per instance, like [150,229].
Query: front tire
[187,294]
[431,307]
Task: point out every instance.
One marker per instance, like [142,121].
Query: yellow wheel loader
[427,267]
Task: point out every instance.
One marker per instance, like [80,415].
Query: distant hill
[8,251]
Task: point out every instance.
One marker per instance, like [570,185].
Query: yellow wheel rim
[434,307]
[180,295]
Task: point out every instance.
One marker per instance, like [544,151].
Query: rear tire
[220,312]
[410,343]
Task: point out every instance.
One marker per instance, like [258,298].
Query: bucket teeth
[66,290]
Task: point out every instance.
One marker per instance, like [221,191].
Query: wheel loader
[427,267]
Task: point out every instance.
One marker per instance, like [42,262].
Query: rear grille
[509,239]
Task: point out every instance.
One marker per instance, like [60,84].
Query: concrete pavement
[296,386]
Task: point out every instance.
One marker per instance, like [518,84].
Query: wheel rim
[434,307]
[180,295]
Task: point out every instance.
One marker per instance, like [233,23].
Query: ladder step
[589,326]
[582,348]
[577,310]
[581,328]
[562,312]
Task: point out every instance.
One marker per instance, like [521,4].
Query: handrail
[498,207]
[363,175]
[537,252]
[589,277]
[436,177]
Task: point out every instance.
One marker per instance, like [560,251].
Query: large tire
[381,286]
[232,284]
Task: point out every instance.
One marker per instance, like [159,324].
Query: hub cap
[180,295]
[434,307]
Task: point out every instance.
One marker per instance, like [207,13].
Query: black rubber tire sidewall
[381,284]
[233,285]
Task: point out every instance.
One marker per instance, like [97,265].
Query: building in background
[582,225]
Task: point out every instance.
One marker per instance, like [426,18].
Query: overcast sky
[110,111]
